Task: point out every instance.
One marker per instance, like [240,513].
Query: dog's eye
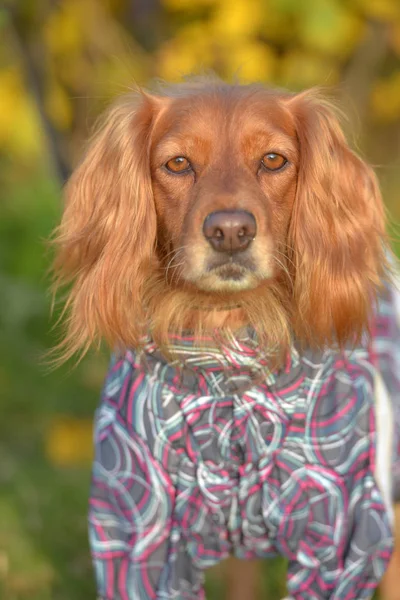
[179,164]
[273,162]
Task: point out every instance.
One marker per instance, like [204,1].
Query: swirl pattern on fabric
[216,455]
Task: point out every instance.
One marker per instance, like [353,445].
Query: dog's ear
[337,231]
[107,234]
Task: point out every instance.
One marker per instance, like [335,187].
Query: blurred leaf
[27,214]
[69,441]
[385,98]
[384,10]
[189,52]
[236,20]
[58,106]
[288,7]
[65,28]
[300,70]
[278,26]
[27,571]
[19,302]
[251,61]
[329,27]
[19,127]
[394,37]
[3,18]
[187,4]
[93,371]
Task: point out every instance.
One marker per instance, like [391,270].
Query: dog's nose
[230,230]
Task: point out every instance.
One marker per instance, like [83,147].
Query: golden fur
[130,242]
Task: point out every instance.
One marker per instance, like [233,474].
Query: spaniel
[230,247]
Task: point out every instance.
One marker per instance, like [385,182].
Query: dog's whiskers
[285,256]
[175,254]
[284,268]
[175,250]
[178,272]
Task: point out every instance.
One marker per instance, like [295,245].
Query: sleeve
[386,353]
[346,540]
[361,555]
[130,515]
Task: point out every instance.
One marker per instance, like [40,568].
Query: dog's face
[208,197]
[223,172]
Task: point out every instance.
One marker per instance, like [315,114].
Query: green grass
[43,543]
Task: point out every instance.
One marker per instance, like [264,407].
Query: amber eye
[179,164]
[273,162]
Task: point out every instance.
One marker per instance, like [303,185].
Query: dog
[231,249]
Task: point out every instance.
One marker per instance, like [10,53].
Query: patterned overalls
[215,455]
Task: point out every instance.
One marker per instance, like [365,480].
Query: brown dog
[134,239]
[216,207]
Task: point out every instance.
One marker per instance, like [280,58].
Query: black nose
[230,230]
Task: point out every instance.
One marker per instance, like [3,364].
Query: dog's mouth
[230,272]
[223,272]
[230,275]
[231,269]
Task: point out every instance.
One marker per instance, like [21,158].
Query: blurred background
[61,62]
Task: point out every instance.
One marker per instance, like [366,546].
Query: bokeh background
[61,62]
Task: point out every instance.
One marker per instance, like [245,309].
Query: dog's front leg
[390,586]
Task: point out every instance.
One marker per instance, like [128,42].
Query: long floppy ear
[107,234]
[337,233]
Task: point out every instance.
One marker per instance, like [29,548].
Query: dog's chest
[221,456]
[232,442]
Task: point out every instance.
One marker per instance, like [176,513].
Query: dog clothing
[213,454]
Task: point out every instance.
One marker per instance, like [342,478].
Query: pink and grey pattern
[215,454]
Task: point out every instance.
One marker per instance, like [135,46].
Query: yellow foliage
[72,72]
[276,26]
[187,4]
[294,43]
[250,61]
[235,20]
[199,47]
[330,27]
[384,10]
[19,127]
[58,106]
[69,442]
[118,74]
[299,70]
[190,51]
[385,98]
[64,30]
[394,36]
[91,54]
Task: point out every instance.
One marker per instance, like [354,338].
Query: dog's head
[218,195]
[223,167]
